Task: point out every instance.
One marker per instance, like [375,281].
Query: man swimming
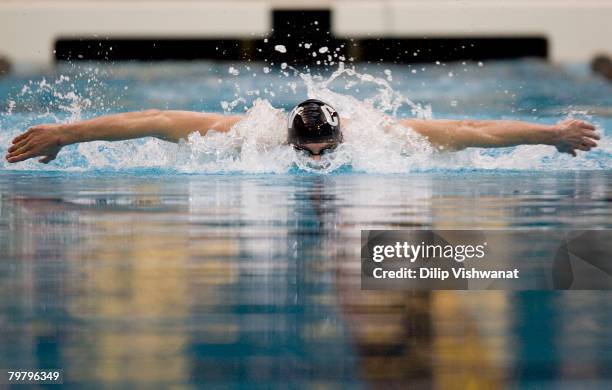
[313,128]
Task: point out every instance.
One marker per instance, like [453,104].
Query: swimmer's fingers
[33,130]
[18,145]
[20,157]
[18,150]
[571,152]
[568,150]
[588,133]
[47,159]
[22,153]
[21,137]
[591,134]
[577,123]
[585,125]
[40,142]
[588,125]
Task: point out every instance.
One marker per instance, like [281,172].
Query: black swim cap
[313,121]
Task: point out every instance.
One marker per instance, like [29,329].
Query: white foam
[374,141]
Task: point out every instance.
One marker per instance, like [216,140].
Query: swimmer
[313,128]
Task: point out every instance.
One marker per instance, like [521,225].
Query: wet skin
[46,140]
[315,150]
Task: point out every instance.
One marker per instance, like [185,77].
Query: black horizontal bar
[119,49]
[414,50]
[397,50]
[302,32]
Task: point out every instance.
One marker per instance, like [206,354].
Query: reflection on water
[134,280]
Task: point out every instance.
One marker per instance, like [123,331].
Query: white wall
[577,29]
[29,28]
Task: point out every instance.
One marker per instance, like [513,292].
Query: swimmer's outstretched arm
[48,139]
[567,136]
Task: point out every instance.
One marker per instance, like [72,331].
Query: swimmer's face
[316,150]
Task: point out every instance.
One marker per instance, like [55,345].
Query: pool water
[365,97]
[152,265]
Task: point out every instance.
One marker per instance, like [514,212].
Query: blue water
[524,90]
[128,272]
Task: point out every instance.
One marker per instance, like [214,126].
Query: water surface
[147,264]
[142,279]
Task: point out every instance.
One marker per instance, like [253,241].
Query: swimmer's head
[314,122]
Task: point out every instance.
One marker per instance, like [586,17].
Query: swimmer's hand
[39,140]
[567,136]
[573,135]
[47,140]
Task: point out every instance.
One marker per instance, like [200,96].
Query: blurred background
[127,273]
[42,31]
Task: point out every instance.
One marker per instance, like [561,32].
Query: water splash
[374,141]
